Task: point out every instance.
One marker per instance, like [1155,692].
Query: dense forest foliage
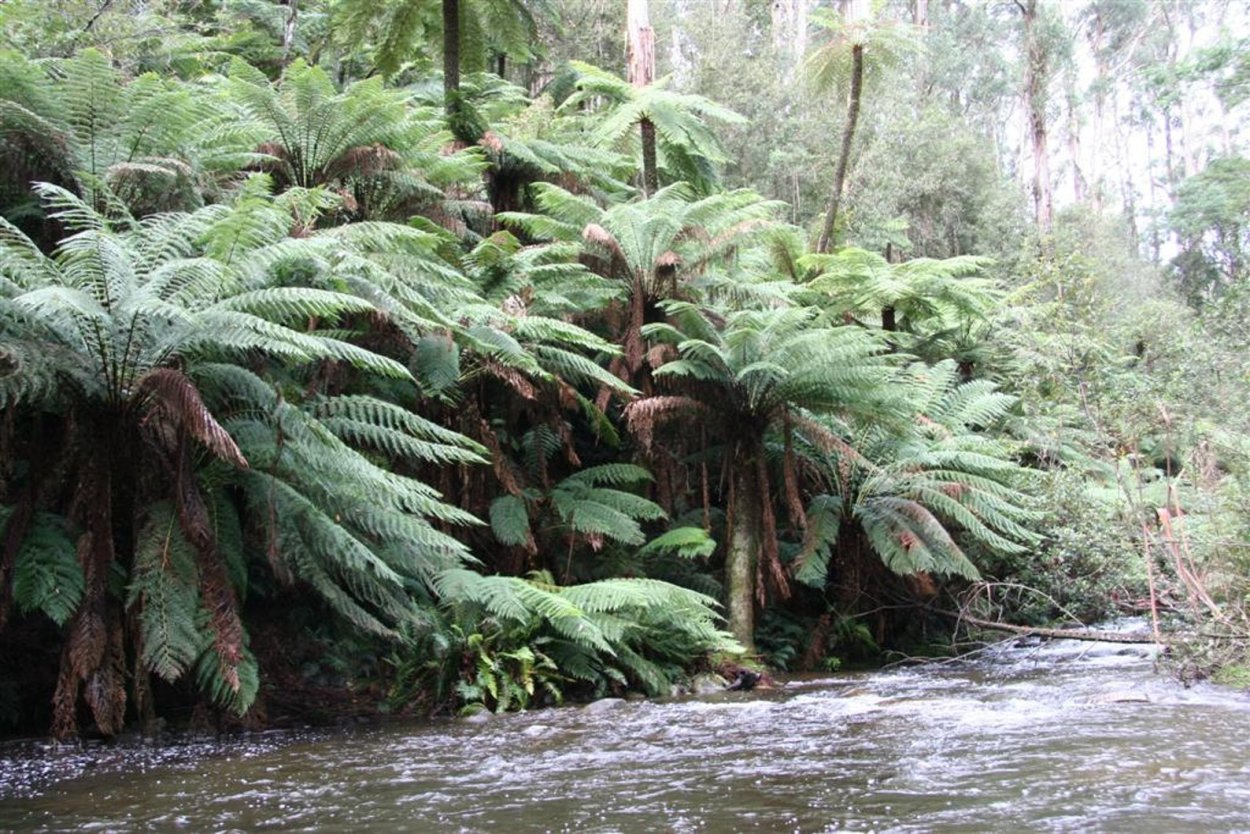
[427,356]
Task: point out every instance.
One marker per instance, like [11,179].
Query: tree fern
[130,333]
[689,148]
[946,481]
[366,137]
[151,144]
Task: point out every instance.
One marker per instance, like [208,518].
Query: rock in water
[745,680]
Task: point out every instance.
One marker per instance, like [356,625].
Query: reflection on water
[1062,737]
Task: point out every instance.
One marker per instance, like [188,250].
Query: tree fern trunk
[825,243]
[740,561]
[640,71]
[650,175]
[13,534]
[888,322]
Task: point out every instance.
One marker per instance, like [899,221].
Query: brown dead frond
[669,259]
[498,460]
[790,477]
[511,377]
[216,589]
[492,142]
[642,416]
[178,398]
[596,234]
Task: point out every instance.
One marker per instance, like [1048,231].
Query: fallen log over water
[1090,634]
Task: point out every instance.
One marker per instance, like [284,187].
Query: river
[1061,736]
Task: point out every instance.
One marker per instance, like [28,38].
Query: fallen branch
[1055,633]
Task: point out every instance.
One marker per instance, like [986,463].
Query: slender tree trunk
[740,559]
[288,30]
[825,243]
[1156,242]
[451,56]
[1128,199]
[640,68]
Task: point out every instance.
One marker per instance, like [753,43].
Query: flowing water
[1064,736]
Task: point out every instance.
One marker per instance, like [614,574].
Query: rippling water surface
[1062,737]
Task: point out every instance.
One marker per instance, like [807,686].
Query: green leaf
[46,575]
[509,520]
[684,542]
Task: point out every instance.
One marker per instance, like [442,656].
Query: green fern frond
[610,474]
[683,542]
[46,573]
[238,696]
[509,520]
[164,586]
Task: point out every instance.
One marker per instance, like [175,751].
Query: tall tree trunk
[1156,242]
[288,30]
[1100,106]
[1035,83]
[640,68]
[825,243]
[1080,187]
[741,557]
[789,30]
[451,56]
[1129,201]
[920,13]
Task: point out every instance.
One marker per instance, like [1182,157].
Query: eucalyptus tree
[1044,39]
[138,384]
[760,381]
